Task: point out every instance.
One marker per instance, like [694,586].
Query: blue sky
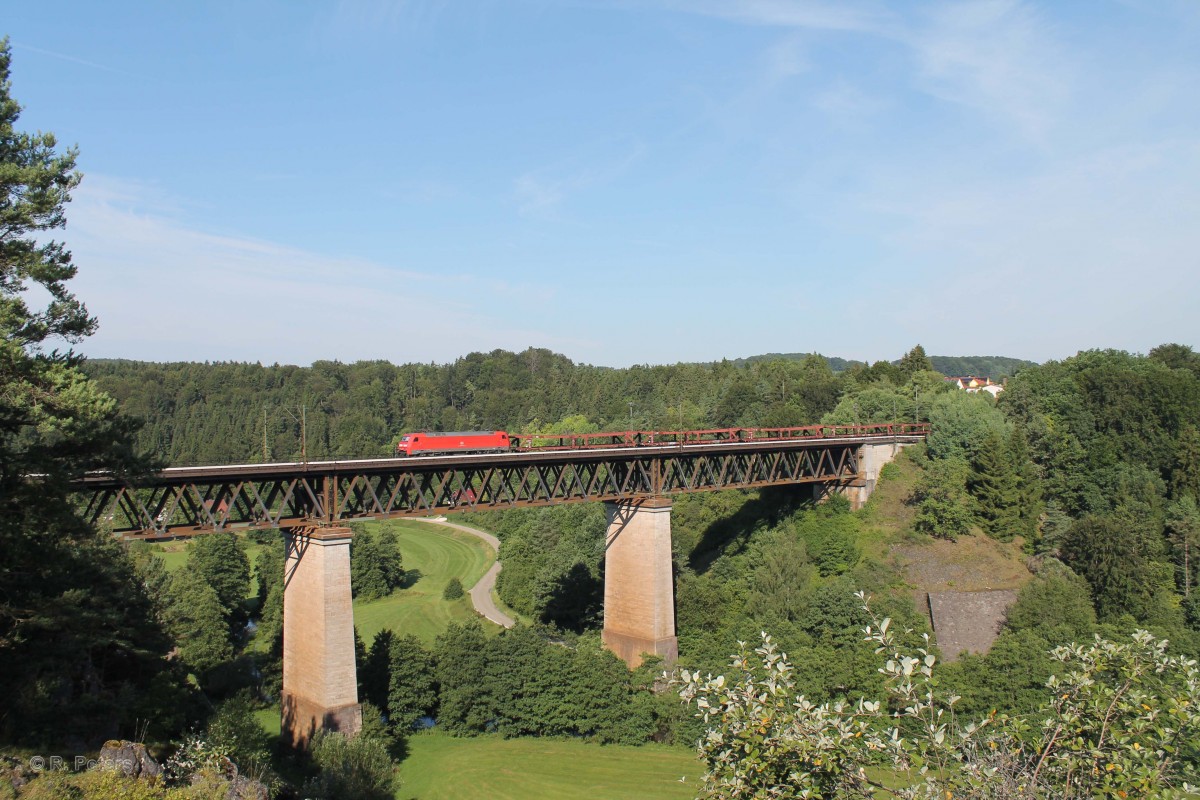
[646,181]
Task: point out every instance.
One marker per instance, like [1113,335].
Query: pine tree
[994,490]
[152,571]
[78,635]
[270,621]
[1028,487]
[391,563]
[220,560]
[268,569]
[461,658]
[1183,530]
[366,581]
[376,567]
[376,673]
[360,651]
[1103,552]
[915,361]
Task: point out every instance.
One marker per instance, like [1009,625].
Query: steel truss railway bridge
[634,473]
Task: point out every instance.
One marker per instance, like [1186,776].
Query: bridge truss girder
[166,507]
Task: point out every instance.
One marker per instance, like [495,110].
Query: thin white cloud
[72,59]
[541,191]
[847,102]
[998,57]
[787,58]
[1097,251]
[394,22]
[535,194]
[789,13]
[164,291]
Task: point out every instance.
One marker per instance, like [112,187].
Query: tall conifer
[197,620]
[995,490]
[1028,487]
[78,636]
[1185,477]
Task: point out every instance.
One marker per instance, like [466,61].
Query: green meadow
[441,767]
[432,556]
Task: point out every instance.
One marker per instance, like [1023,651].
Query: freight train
[431,443]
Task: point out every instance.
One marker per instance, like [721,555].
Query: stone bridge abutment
[871,460]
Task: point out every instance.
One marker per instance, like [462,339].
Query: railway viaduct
[634,474]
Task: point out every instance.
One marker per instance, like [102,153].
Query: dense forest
[220,413]
[1091,462]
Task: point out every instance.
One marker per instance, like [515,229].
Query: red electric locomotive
[426,443]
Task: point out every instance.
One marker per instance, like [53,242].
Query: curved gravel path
[481,592]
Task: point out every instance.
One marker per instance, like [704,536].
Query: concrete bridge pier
[639,585]
[871,458]
[320,684]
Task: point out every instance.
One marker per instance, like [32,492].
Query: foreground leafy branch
[1121,720]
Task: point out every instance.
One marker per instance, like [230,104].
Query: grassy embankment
[972,563]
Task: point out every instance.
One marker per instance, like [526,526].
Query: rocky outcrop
[129,758]
[14,772]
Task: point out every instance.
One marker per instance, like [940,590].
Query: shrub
[941,499]
[234,731]
[1120,720]
[358,768]
[453,590]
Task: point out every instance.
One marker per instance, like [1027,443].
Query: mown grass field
[436,554]
[441,767]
